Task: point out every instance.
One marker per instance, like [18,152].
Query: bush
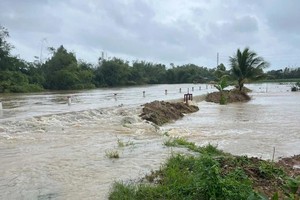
[294,89]
[24,88]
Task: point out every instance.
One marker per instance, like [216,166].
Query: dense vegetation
[286,73]
[211,174]
[62,71]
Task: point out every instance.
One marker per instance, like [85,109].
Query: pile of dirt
[160,112]
[291,165]
[230,96]
[265,175]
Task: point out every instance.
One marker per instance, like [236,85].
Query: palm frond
[247,64]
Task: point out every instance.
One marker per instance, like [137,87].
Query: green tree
[5,48]
[155,73]
[247,65]
[138,73]
[221,71]
[85,75]
[62,72]
[113,72]
[14,74]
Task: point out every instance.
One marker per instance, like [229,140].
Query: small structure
[187,97]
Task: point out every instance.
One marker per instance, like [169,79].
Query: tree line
[286,73]
[63,71]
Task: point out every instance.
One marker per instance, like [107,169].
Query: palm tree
[247,65]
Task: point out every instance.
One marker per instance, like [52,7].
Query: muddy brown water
[49,150]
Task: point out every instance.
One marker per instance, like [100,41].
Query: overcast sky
[160,31]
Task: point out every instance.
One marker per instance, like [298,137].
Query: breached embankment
[161,112]
[231,96]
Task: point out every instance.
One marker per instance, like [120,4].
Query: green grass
[212,174]
[182,142]
[188,177]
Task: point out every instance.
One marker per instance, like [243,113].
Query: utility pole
[42,46]
[217,59]
[102,58]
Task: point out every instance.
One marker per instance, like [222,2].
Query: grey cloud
[239,31]
[32,16]
[165,31]
[284,15]
[137,33]
[246,24]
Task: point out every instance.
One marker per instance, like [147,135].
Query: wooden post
[69,101]
[187,97]
[144,94]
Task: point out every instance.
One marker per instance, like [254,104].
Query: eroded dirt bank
[160,112]
[231,96]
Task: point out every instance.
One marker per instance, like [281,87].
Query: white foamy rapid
[49,150]
[64,156]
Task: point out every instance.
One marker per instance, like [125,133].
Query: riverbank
[229,96]
[209,173]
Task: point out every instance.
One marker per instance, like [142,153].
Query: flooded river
[50,150]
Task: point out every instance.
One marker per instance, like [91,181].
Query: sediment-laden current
[49,150]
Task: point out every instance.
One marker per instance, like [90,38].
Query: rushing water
[49,150]
[270,120]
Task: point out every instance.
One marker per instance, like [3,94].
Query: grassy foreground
[211,174]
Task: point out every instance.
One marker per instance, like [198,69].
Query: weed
[124,144]
[122,191]
[291,188]
[188,177]
[181,142]
[268,170]
[211,175]
[166,134]
[112,154]
[210,150]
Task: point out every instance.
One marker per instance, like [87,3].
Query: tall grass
[188,177]
[210,175]
[182,142]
